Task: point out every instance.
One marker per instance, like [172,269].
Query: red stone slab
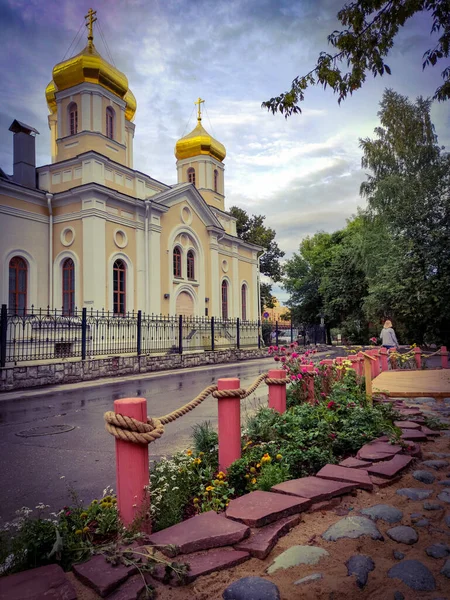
[325,505]
[359,477]
[382,483]
[203,563]
[406,424]
[263,539]
[101,575]
[413,435]
[375,451]
[390,468]
[204,531]
[430,432]
[355,463]
[413,450]
[261,508]
[49,582]
[410,412]
[314,488]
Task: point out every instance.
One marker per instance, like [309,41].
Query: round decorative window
[67,236]
[224,266]
[186,215]
[120,238]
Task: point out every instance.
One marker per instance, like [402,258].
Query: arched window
[119,289]
[18,276]
[110,123]
[216,180]
[73,118]
[190,265]
[191,175]
[244,302]
[176,262]
[68,286]
[224,299]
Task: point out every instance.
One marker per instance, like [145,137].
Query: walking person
[388,337]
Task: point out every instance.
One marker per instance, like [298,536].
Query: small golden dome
[131,105]
[199,142]
[89,66]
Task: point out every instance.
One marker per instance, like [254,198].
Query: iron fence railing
[48,334]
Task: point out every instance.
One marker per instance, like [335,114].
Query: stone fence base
[14,378]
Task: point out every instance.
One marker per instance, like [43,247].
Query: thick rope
[128,429]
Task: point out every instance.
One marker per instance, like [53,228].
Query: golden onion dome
[89,66]
[199,142]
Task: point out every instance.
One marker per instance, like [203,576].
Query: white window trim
[31,277]
[229,298]
[244,282]
[129,281]
[58,280]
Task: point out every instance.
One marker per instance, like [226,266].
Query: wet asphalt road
[43,468]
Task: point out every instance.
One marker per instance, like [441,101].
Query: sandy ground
[336,585]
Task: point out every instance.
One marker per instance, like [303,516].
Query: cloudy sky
[302,173]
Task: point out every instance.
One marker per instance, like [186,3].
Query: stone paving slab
[202,532]
[297,555]
[355,463]
[49,583]
[406,424]
[376,450]
[382,482]
[314,488]
[359,477]
[352,527]
[390,468]
[430,432]
[413,435]
[133,588]
[261,508]
[100,575]
[263,539]
[203,563]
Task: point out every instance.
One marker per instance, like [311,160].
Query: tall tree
[369,31]
[251,228]
[408,192]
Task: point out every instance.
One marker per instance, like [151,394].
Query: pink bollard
[418,358]
[229,412]
[277,392]
[444,357]
[384,359]
[132,472]
[309,382]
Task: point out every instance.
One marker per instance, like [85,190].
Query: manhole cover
[47,430]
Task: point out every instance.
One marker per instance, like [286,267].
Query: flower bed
[330,426]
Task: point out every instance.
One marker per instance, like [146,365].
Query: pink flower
[332,436]
[282,349]
[283,359]
[316,371]
[294,355]
[299,377]
[323,394]
[277,358]
[275,348]
[304,370]
[293,377]
[331,404]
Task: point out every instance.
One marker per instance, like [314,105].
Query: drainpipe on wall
[50,248]
[147,208]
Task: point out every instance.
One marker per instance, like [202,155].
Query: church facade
[89,231]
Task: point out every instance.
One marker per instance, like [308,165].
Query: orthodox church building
[87,230]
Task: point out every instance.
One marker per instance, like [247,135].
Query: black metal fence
[276,333]
[48,334]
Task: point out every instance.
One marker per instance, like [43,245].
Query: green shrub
[271,474]
[205,440]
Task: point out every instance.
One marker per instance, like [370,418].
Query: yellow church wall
[76,246]
[24,205]
[170,221]
[65,209]
[129,251]
[90,141]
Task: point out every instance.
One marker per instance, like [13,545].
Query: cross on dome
[89,24]
[199,113]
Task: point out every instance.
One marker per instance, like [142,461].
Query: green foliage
[205,440]
[393,259]
[271,474]
[251,228]
[368,34]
